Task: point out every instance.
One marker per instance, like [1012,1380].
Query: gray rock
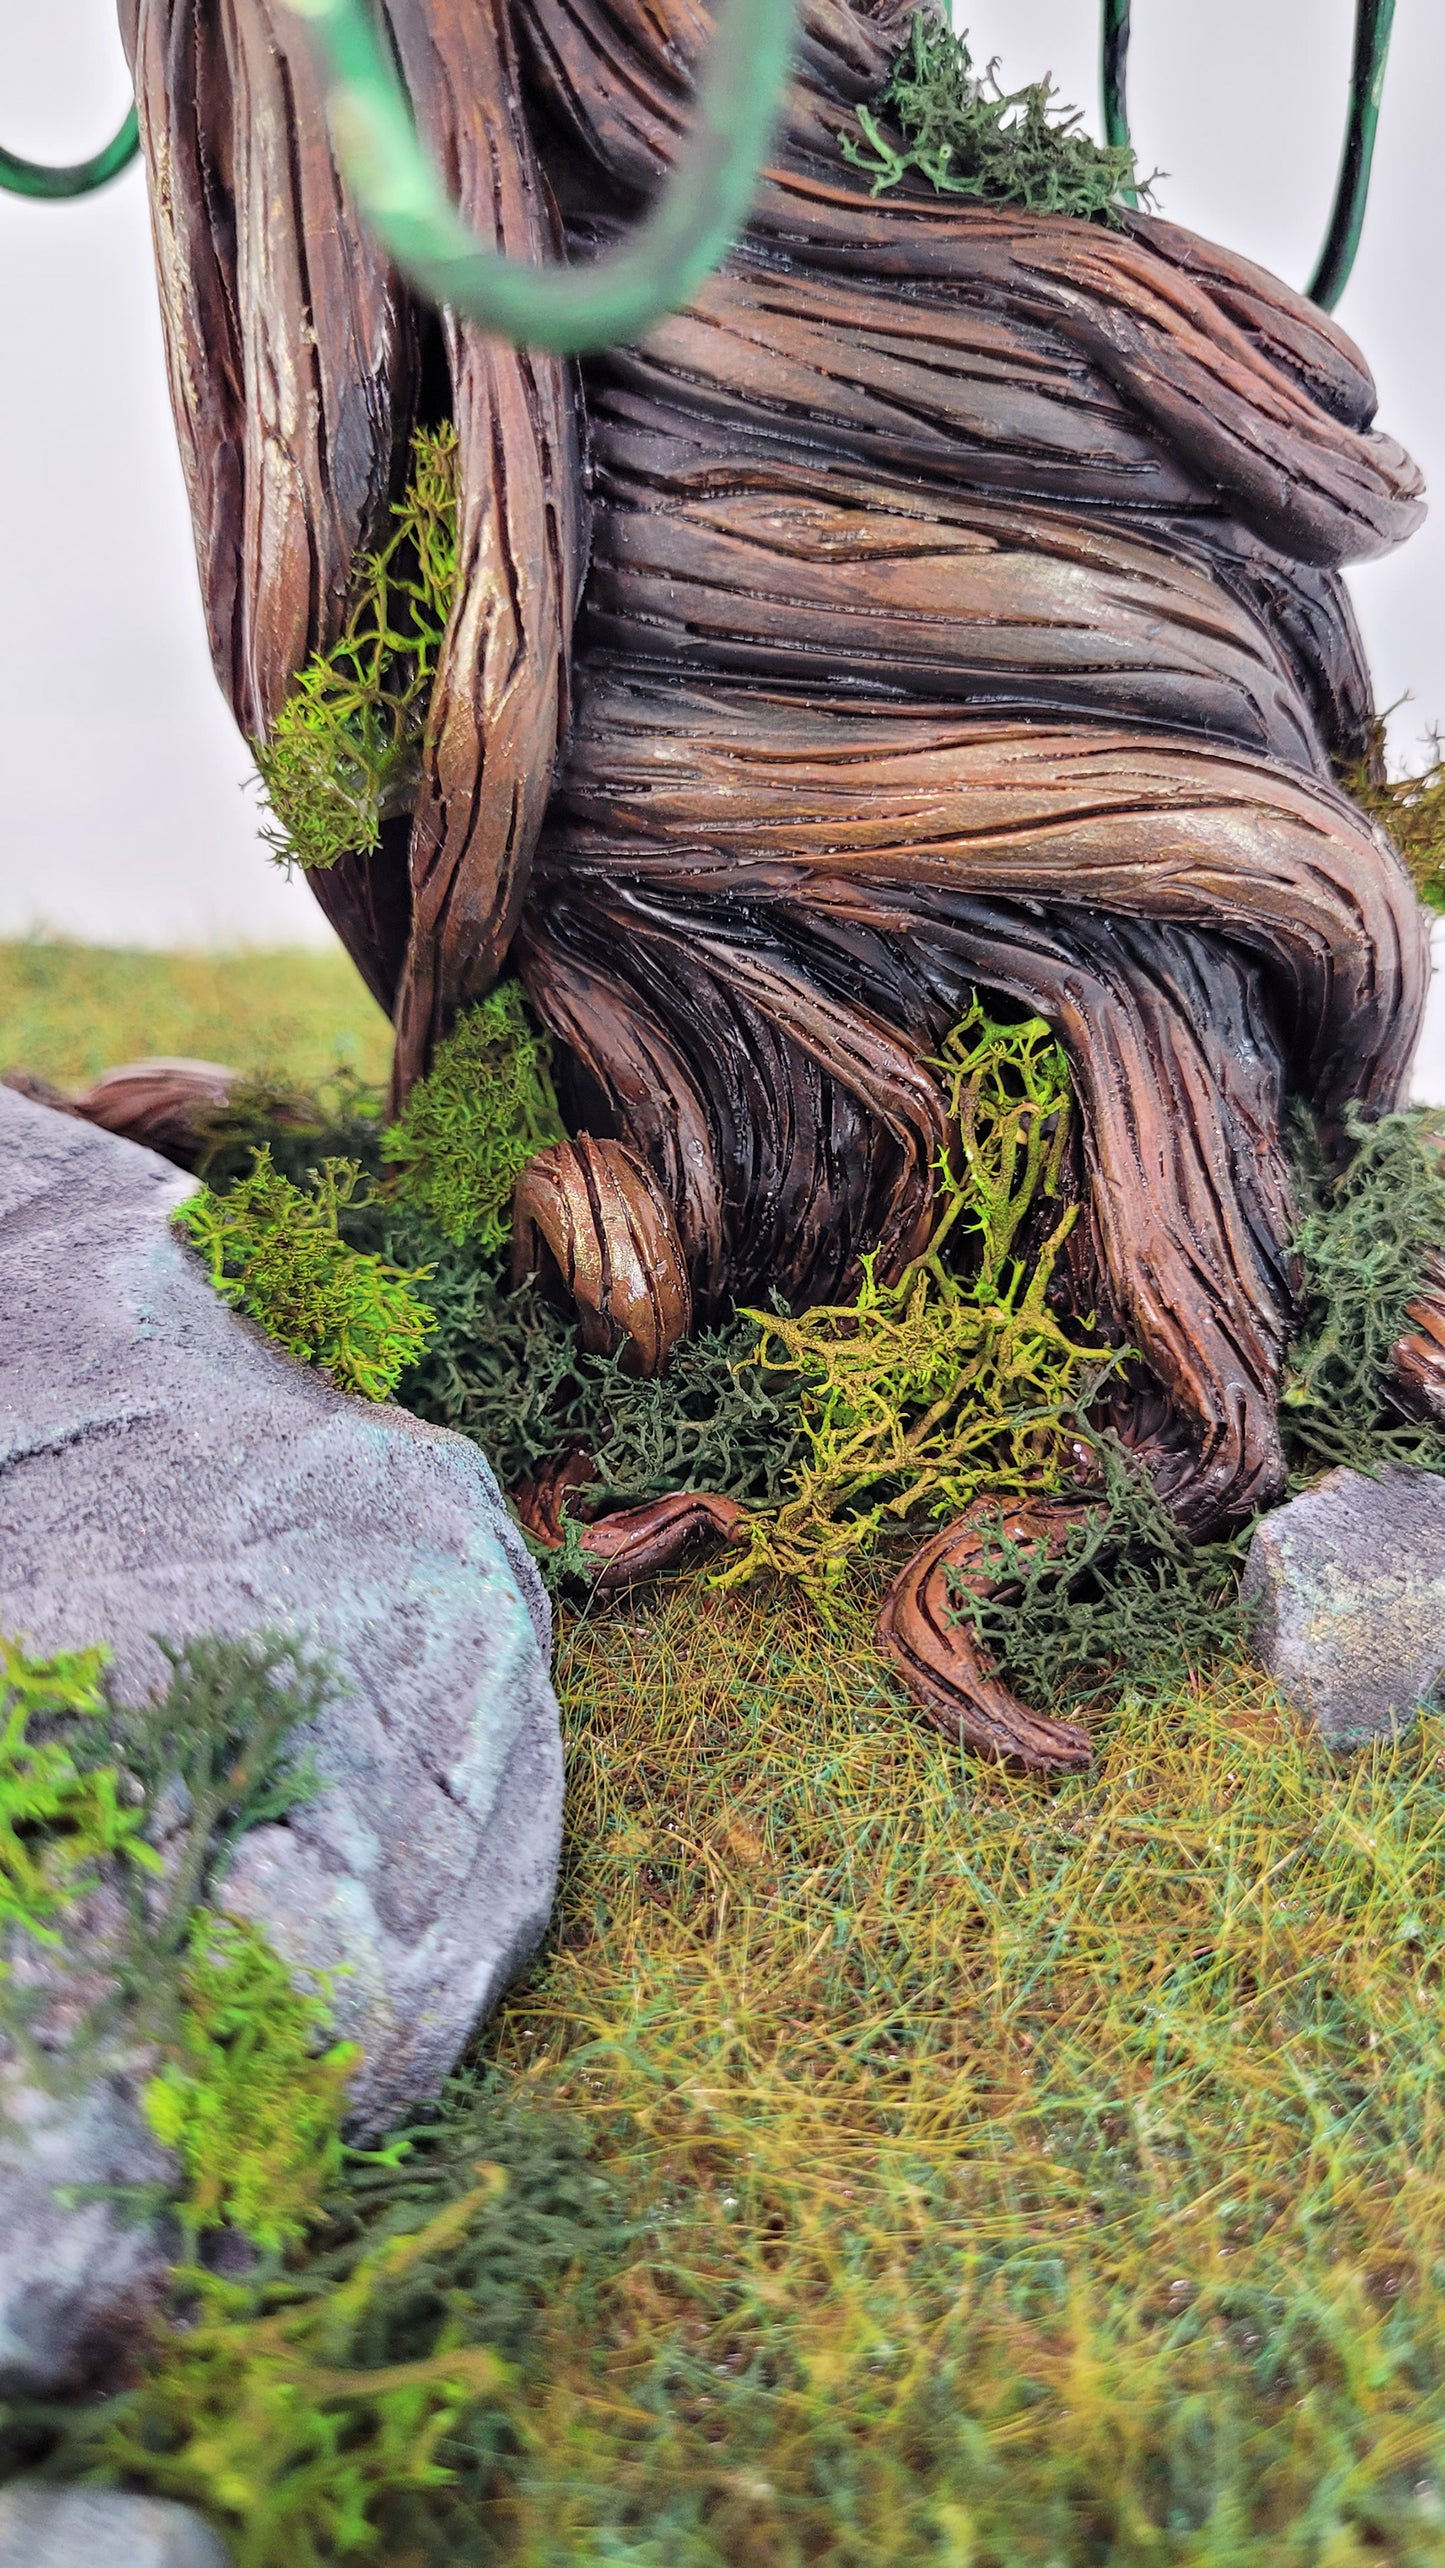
[1349,1586]
[100,2528]
[165,1469]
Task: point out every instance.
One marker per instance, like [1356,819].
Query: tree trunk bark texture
[950,598]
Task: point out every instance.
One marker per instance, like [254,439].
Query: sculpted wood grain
[962,609]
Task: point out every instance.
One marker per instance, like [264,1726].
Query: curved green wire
[1116,66]
[78,178]
[696,216]
[1374,23]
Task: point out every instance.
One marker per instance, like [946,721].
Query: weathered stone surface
[1349,1586]
[100,2528]
[165,1469]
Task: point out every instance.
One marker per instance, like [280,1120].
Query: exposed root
[943,1667]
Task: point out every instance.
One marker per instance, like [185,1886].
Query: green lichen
[226,1737]
[60,1820]
[1366,1232]
[959,1379]
[508,1368]
[970,138]
[345,754]
[1127,1601]
[469,1128]
[1409,809]
[361,2404]
[277,1252]
[252,2099]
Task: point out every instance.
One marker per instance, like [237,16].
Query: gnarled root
[163,1104]
[1419,1357]
[942,1665]
[635,1543]
[592,1213]
[644,1542]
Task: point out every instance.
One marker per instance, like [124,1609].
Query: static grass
[70,1011]
[1028,2173]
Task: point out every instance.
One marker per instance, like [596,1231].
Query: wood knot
[590,1215]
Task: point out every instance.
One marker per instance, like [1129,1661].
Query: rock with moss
[1346,1586]
[167,1472]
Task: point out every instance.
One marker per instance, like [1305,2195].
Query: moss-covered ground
[70,1011]
[886,2160]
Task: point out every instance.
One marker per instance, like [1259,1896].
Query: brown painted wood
[963,610]
[945,1671]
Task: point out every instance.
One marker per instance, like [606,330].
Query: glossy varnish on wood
[950,597]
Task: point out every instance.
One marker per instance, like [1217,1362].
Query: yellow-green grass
[1028,2173]
[70,1011]
[1012,2175]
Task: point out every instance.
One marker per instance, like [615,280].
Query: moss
[277,1252]
[60,1820]
[968,137]
[346,751]
[1128,1601]
[470,1127]
[364,2404]
[254,2413]
[1410,810]
[1368,1227]
[70,1011]
[251,2101]
[508,1369]
[228,1735]
[958,1379]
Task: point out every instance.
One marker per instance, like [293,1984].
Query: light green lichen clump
[276,1251]
[470,1127]
[345,754]
[59,1819]
[252,2101]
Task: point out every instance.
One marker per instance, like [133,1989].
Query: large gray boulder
[1348,1585]
[101,2528]
[164,1469]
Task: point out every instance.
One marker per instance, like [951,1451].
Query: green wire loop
[1374,23]
[605,303]
[79,178]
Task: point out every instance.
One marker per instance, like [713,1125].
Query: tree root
[942,1665]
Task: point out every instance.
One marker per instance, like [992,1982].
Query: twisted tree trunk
[963,609]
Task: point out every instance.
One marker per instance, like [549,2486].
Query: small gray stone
[1349,1583]
[100,2528]
[165,1469]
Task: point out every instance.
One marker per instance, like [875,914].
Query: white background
[124,815]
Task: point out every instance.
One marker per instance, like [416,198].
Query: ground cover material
[70,1011]
[890,2160]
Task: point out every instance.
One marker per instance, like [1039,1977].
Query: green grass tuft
[345,754]
[469,1128]
[968,137]
[276,1251]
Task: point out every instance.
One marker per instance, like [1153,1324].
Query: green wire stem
[79,178]
[695,218]
[1374,24]
[1116,67]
